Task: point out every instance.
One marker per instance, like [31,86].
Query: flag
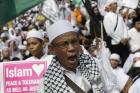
[9,9]
[77,2]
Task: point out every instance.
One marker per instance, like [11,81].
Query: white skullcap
[22,47]
[137,54]
[137,64]
[36,34]
[115,56]
[58,28]
[131,11]
[5,28]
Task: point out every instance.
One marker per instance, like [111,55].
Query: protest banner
[21,76]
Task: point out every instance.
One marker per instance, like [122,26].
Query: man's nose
[71,47]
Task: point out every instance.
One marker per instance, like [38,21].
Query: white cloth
[134,36]
[77,78]
[122,78]
[110,21]
[130,3]
[128,63]
[45,57]
[108,77]
[135,88]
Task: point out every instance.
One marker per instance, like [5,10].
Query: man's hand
[124,41]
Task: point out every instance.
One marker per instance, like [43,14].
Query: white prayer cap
[58,28]
[137,64]
[115,56]
[23,47]
[131,11]
[5,28]
[137,54]
[36,34]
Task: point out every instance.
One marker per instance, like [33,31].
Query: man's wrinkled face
[66,47]
[35,46]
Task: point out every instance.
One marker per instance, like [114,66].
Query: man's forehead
[68,35]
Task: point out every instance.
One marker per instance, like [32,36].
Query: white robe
[134,37]
[110,21]
[135,88]
[108,77]
[45,57]
[128,63]
[122,78]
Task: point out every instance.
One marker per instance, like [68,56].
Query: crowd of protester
[115,39]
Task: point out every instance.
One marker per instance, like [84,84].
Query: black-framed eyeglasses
[65,44]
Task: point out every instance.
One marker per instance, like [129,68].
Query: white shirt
[110,21]
[122,78]
[135,88]
[77,78]
[134,37]
[45,57]
[128,63]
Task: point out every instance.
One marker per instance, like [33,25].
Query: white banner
[131,3]
[51,10]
